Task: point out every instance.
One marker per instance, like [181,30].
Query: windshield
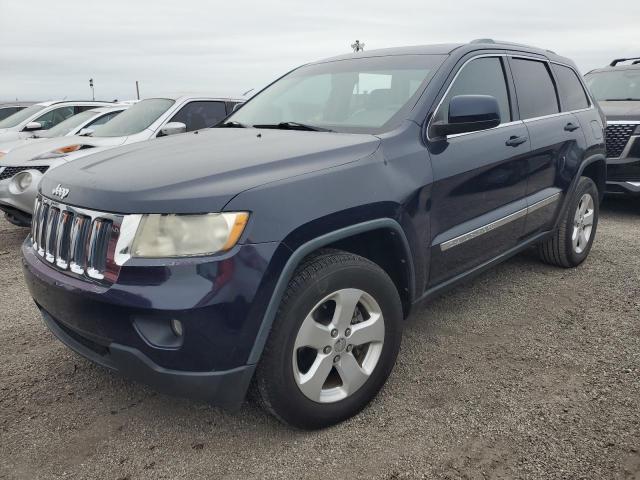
[67,126]
[135,119]
[614,85]
[19,117]
[362,95]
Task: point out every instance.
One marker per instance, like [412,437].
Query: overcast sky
[50,49]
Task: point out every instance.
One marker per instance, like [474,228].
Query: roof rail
[618,60]
[483,40]
[491,40]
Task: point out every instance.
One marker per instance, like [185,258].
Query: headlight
[187,235]
[20,182]
[59,152]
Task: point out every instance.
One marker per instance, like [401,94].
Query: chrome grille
[78,241]
[617,136]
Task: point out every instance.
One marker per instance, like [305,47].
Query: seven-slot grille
[617,135]
[8,172]
[80,242]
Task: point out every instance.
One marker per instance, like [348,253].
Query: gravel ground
[527,371]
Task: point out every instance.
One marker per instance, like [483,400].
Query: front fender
[305,249]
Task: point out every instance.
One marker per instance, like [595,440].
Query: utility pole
[357,46]
[93,92]
[137,90]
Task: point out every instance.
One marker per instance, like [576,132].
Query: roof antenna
[357,46]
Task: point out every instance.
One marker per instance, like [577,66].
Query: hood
[25,154]
[8,146]
[621,110]
[199,172]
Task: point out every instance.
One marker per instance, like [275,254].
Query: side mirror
[236,106]
[32,126]
[173,128]
[469,113]
[85,132]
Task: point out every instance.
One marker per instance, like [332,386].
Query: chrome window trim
[513,122]
[477,232]
[634,184]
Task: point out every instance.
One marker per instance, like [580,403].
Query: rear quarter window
[572,95]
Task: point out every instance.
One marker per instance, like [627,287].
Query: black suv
[617,89]
[284,249]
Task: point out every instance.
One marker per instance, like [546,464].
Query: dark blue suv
[282,251]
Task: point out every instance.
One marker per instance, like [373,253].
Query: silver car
[41,116]
[81,124]
[22,168]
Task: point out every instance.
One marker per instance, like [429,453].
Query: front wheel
[571,243]
[334,341]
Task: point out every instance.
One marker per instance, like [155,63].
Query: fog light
[21,181]
[176,326]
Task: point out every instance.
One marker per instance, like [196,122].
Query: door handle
[515,141]
[570,127]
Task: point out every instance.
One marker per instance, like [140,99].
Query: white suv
[22,168]
[41,116]
[81,124]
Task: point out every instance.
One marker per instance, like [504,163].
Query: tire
[321,283]
[561,248]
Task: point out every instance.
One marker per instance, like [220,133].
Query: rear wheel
[334,341]
[571,243]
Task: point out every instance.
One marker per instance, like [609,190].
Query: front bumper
[124,326]
[226,388]
[18,206]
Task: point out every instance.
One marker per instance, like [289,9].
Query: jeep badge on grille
[60,191]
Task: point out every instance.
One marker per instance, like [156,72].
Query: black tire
[558,249]
[318,276]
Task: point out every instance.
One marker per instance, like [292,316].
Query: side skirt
[453,282]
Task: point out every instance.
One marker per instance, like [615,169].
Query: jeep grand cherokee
[284,249]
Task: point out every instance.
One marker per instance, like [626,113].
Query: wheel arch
[346,238]
[595,168]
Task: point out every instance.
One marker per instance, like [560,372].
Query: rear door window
[534,88]
[572,95]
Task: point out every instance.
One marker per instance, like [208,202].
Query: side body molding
[309,247]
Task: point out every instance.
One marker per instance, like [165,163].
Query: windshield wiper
[622,100]
[293,126]
[232,124]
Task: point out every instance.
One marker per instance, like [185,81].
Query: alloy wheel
[338,345]
[583,223]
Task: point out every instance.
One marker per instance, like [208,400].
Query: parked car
[40,116]
[82,123]
[7,109]
[285,248]
[22,168]
[617,89]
